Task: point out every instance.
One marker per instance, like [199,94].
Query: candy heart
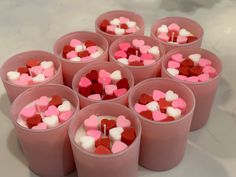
[173,27]
[104,80]
[163,36]
[121,121]
[97,88]
[46,64]
[34,120]
[52,110]
[157,95]
[173,112]
[25,78]
[103,142]
[128,135]
[51,121]
[66,50]
[133,58]
[148,62]
[173,64]
[23,70]
[195,58]
[40,126]
[140,108]
[64,116]
[116,75]
[180,104]
[163,29]
[123,83]
[147,114]
[158,116]
[118,146]
[106,125]
[124,46]
[144,48]
[204,62]
[42,103]
[104,24]
[28,112]
[96,134]
[89,43]
[192,79]
[84,82]
[123,19]
[137,43]
[163,104]
[144,99]
[184,32]
[154,50]
[115,133]
[13,75]
[152,106]
[195,71]
[109,89]
[187,62]
[65,106]
[35,70]
[173,71]
[103,73]
[56,100]
[91,123]
[120,92]
[130,30]
[32,62]
[87,143]
[48,72]
[146,56]
[182,39]
[115,21]
[171,96]
[102,150]
[92,49]
[111,28]
[95,97]
[119,31]
[203,77]
[98,53]
[21,122]
[92,75]
[82,54]
[209,70]
[80,48]
[131,24]
[75,42]
[85,91]
[71,54]
[38,78]
[181,77]
[178,57]
[123,61]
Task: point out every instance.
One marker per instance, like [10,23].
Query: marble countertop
[36,24]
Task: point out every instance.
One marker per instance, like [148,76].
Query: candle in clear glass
[69,68]
[191,25]
[19,60]
[110,67]
[163,143]
[116,14]
[204,91]
[140,72]
[48,152]
[121,164]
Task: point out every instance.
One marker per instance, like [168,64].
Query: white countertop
[36,24]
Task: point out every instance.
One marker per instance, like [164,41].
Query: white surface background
[36,24]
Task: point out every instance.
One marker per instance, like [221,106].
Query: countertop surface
[36,24]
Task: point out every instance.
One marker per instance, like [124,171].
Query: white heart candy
[22,122]
[115,133]
[87,143]
[195,57]
[116,75]
[65,106]
[131,24]
[154,50]
[173,71]
[51,121]
[97,53]
[75,59]
[173,112]
[119,31]
[152,106]
[171,96]
[80,48]
[163,29]
[13,75]
[123,61]
[115,21]
[184,32]
[39,78]
[46,64]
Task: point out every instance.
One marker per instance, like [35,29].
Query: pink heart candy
[92,49]
[48,72]
[124,46]
[42,103]
[130,30]
[163,36]
[182,39]
[104,81]
[203,77]
[177,57]
[179,103]
[123,20]
[192,79]
[111,28]
[109,89]
[181,77]
[52,110]
[36,70]
[133,58]
[120,54]
[84,82]
[71,54]
[158,116]
[120,92]
[28,112]
[118,146]
[204,62]
[103,73]
[144,48]
[95,97]
[209,70]
[64,116]
[138,43]
[96,134]
[121,121]
[173,64]
[40,126]
[148,62]
[173,27]
[157,95]
[146,56]
[91,123]
[25,78]
[75,42]
[140,108]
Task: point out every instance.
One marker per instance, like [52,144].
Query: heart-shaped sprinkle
[173,71]
[84,82]
[203,77]
[204,62]
[89,43]
[173,64]
[124,46]
[56,100]
[147,114]
[138,43]
[95,97]
[52,110]
[171,96]
[92,49]
[13,75]
[115,21]
[116,75]
[123,61]
[120,92]
[163,36]
[25,78]
[163,104]
[65,106]
[40,126]
[187,62]
[133,58]
[123,19]
[123,83]
[101,150]
[39,78]
[109,124]
[87,143]
[120,54]
[157,95]
[144,48]
[109,89]
[128,135]
[110,28]
[115,133]
[75,42]
[180,104]
[195,57]
[42,103]
[85,91]
[146,56]
[152,106]
[80,48]
[71,54]
[173,112]
[46,64]
[28,112]
[22,122]
[23,70]
[96,134]
[91,123]
[163,29]
[66,50]
[195,71]
[140,108]
[145,99]
[92,75]
[103,142]
[174,27]
[209,70]
[119,31]
[118,146]
[158,116]
[123,122]
[34,120]
[154,50]
[48,72]
[64,116]
[178,57]
[51,121]
[182,39]
[97,88]
[184,32]
[32,62]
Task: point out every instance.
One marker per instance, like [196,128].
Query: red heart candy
[84,53]
[136,63]
[33,62]
[34,121]
[191,39]
[187,62]
[89,43]
[56,100]
[195,71]
[145,99]
[67,49]
[102,150]
[104,24]
[184,70]
[85,91]
[124,26]
[97,88]
[123,83]
[103,142]
[92,76]
[133,51]
[128,135]
[147,114]
[168,119]
[108,97]
[163,104]
[109,125]
[23,70]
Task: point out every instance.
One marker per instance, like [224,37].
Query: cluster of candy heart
[106,134]
[79,51]
[45,113]
[174,34]
[161,107]
[103,85]
[137,53]
[193,68]
[119,26]
[34,71]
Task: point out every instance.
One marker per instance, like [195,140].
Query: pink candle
[48,70]
[124,163]
[110,24]
[204,90]
[77,41]
[48,151]
[186,32]
[162,142]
